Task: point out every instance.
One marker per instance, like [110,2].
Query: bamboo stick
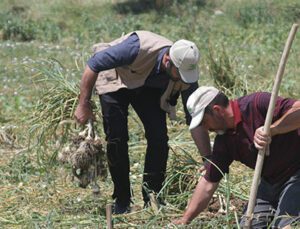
[109,216]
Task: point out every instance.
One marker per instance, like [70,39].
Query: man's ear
[168,61]
[168,64]
[219,109]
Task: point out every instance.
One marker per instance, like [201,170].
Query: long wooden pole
[261,153]
[109,216]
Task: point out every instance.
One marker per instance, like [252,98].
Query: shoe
[121,208]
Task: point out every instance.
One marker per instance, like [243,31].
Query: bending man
[136,70]
[239,127]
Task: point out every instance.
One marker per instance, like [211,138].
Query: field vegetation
[44,46]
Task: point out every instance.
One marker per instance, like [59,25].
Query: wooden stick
[109,216]
[261,153]
[287,227]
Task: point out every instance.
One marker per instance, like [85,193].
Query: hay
[7,135]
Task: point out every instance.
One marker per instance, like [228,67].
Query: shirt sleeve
[118,55]
[282,105]
[220,160]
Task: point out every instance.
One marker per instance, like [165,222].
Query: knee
[259,221]
[159,137]
[116,148]
[286,221]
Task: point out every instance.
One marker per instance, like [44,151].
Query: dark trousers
[146,103]
[277,205]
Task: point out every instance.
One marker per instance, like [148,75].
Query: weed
[224,75]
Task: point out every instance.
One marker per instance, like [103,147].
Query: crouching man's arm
[288,122]
[202,140]
[199,201]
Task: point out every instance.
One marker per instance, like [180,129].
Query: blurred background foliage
[44,46]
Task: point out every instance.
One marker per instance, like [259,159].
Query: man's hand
[84,112]
[261,139]
[180,221]
[202,170]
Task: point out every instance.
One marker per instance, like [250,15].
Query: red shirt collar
[236,112]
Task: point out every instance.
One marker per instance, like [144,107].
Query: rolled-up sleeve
[118,55]
[282,105]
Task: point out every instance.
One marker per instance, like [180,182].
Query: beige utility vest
[133,75]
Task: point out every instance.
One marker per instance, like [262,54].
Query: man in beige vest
[136,70]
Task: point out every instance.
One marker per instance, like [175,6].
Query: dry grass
[37,192]
[35,196]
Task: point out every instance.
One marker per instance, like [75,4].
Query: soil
[214,206]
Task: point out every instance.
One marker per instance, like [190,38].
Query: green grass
[43,49]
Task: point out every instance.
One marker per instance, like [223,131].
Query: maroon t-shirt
[249,113]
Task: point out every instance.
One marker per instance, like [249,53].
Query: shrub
[221,70]
[248,12]
[17,29]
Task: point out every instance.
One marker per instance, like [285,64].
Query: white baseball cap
[185,56]
[198,101]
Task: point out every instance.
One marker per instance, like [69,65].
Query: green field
[44,46]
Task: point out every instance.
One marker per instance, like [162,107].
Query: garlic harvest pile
[87,158]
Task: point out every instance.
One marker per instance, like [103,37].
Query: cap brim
[196,120]
[190,76]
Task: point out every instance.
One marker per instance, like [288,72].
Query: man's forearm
[288,122]
[202,140]
[200,199]
[86,85]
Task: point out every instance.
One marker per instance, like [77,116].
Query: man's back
[249,114]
